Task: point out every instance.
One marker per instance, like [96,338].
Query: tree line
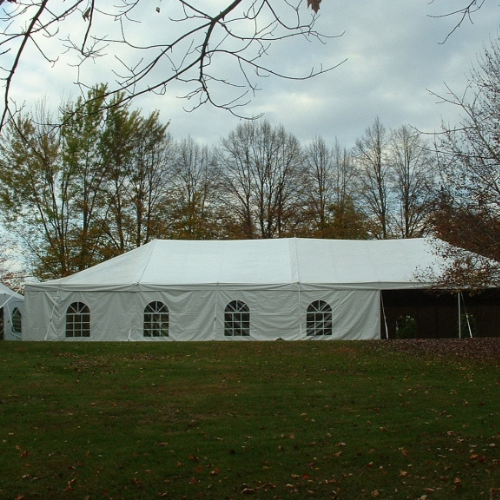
[109,179]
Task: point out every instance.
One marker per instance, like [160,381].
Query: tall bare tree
[319,172]
[372,163]
[150,180]
[330,192]
[414,173]
[195,192]
[261,171]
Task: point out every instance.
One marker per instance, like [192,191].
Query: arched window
[319,318]
[236,319]
[78,320]
[16,320]
[156,320]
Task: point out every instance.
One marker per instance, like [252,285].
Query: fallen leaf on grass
[69,487]
[269,485]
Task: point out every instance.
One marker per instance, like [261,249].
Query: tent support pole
[7,301]
[214,328]
[466,316]
[299,315]
[459,316]
[383,314]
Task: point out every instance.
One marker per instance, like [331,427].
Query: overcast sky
[394,54]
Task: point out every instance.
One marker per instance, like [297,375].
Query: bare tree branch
[216,53]
[462,13]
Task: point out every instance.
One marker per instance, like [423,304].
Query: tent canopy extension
[216,290]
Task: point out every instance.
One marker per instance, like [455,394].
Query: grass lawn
[230,420]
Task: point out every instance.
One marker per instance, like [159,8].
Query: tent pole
[466,316]
[214,327]
[7,301]
[385,317]
[459,317]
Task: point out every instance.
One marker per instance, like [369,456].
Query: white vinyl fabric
[196,280]
[9,302]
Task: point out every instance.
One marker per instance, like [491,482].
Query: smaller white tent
[288,289]
[11,312]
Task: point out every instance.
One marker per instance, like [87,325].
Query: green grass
[229,420]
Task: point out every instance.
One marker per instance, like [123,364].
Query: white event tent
[11,312]
[287,289]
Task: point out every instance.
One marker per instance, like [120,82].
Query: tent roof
[5,290]
[375,264]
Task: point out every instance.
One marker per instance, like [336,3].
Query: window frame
[16,319]
[236,319]
[319,319]
[158,319]
[77,320]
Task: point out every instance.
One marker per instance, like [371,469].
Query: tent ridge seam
[146,264]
